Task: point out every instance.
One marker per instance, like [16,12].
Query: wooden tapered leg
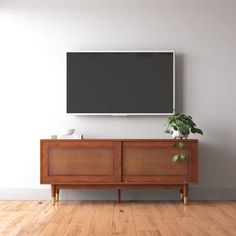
[57,195]
[118,195]
[185,192]
[181,196]
[53,194]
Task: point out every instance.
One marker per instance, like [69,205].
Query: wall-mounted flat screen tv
[121,82]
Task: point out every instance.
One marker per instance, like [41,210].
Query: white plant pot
[176,134]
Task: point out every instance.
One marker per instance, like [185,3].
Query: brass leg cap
[181,196]
[57,197]
[185,200]
[53,201]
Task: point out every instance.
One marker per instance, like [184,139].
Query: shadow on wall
[126,195]
[217,163]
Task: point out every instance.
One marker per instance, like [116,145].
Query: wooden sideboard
[117,164]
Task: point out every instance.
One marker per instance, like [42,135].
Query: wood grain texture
[101,223]
[144,221]
[82,216]
[123,223]
[117,164]
[29,218]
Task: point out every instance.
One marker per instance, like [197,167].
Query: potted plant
[180,125]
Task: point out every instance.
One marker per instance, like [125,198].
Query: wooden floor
[109,218]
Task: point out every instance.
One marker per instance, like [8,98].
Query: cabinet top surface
[122,140]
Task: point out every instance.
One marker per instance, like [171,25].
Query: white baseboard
[195,193]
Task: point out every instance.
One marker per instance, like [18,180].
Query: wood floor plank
[210,218]
[221,219]
[200,209]
[213,228]
[29,218]
[123,223]
[176,209]
[226,215]
[101,223]
[161,209]
[188,226]
[144,220]
[227,209]
[53,229]
[63,212]
[5,219]
[16,206]
[165,218]
[5,204]
[13,225]
[41,216]
[81,218]
[169,226]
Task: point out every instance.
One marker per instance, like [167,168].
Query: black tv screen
[128,83]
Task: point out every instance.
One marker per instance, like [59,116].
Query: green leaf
[189,122]
[179,123]
[175,158]
[193,130]
[170,119]
[183,157]
[183,123]
[196,130]
[199,131]
[184,130]
[167,131]
[181,145]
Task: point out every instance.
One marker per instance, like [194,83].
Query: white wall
[34,39]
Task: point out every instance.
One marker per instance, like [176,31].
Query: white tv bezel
[132,114]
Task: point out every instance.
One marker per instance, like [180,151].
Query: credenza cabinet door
[152,161]
[78,161]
